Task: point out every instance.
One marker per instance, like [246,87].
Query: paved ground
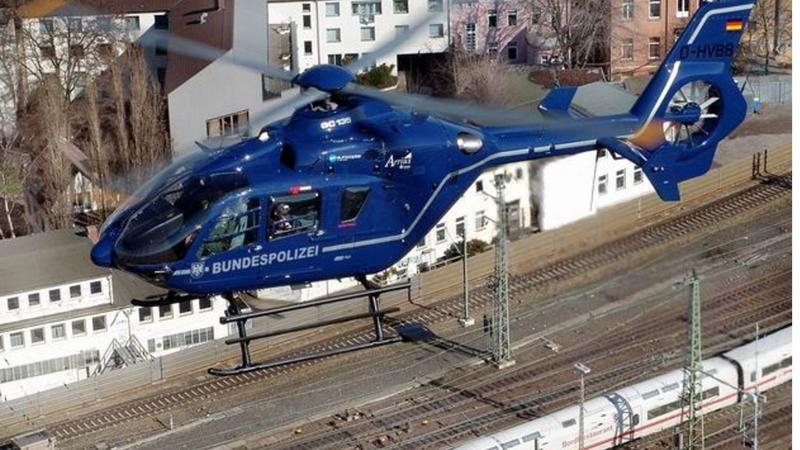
[771,129]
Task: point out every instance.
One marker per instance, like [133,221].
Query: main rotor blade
[447,107]
[187,47]
[369,59]
[286,106]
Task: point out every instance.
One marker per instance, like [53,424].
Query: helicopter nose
[102,252]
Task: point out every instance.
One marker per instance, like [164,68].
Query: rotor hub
[325,77]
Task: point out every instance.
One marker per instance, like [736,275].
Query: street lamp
[583,370]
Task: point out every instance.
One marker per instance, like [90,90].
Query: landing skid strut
[239,312]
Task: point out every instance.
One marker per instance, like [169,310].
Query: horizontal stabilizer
[556,103]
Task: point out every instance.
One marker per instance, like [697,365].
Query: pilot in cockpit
[281,218]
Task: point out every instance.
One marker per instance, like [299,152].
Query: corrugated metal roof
[54,258]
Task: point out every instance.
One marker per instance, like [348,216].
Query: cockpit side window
[237,226]
[353,199]
[292,214]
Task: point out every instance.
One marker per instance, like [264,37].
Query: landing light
[263,136]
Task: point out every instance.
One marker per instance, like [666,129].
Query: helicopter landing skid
[239,312]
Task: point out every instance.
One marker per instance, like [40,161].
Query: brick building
[642,31]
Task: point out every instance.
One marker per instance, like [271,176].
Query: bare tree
[11,187]
[580,29]
[768,37]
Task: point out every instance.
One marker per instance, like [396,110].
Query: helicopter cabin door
[293,226]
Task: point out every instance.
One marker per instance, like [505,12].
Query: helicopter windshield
[163,229]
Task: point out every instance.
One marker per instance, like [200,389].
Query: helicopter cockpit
[163,229]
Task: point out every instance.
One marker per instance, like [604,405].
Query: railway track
[653,236]
[730,311]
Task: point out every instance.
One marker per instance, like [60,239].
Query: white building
[62,319]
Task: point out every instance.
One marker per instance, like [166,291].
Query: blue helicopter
[356,177]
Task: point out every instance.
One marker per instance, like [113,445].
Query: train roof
[772,345]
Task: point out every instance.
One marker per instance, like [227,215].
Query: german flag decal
[733,25]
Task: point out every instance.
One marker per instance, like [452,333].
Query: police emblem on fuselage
[198,269]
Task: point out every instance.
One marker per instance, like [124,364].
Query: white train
[653,405]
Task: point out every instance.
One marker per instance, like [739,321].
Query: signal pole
[500,333]
[466,320]
[693,372]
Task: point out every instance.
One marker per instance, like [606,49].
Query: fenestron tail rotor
[692,114]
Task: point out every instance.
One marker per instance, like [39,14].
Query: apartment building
[643,31]
[63,319]
[511,30]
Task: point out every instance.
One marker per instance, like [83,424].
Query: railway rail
[650,237]
[767,300]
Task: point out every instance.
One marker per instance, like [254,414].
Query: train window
[770,368]
[353,199]
[664,409]
[568,423]
[237,226]
[649,395]
[510,444]
[670,387]
[753,376]
[711,393]
[786,362]
[531,437]
[635,420]
[292,214]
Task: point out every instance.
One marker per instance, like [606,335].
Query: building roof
[602,99]
[60,257]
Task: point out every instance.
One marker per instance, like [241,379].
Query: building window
[306,7]
[401,6]
[204,304]
[422,243]
[471,36]
[627,49]
[78,327]
[13,303]
[334,35]
[185,307]
[683,8]
[235,124]
[55,295]
[436,30]
[602,184]
[165,312]
[655,9]
[366,9]
[307,47]
[132,23]
[638,176]
[75,24]
[37,336]
[1,343]
[58,331]
[460,228]
[187,338]
[627,9]
[95,287]
[47,366]
[47,51]
[16,340]
[98,323]
[75,291]
[480,220]
[145,314]
[306,21]
[518,173]
[400,30]
[511,16]
[621,179]
[46,25]
[654,48]
[335,59]
[479,186]
[332,9]
[435,5]
[440,233]
[512,51]
[33,299]
[492,18]
[492,47]
[161,22]
[367,33]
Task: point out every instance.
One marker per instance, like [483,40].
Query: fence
[769,88]
[526,254]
